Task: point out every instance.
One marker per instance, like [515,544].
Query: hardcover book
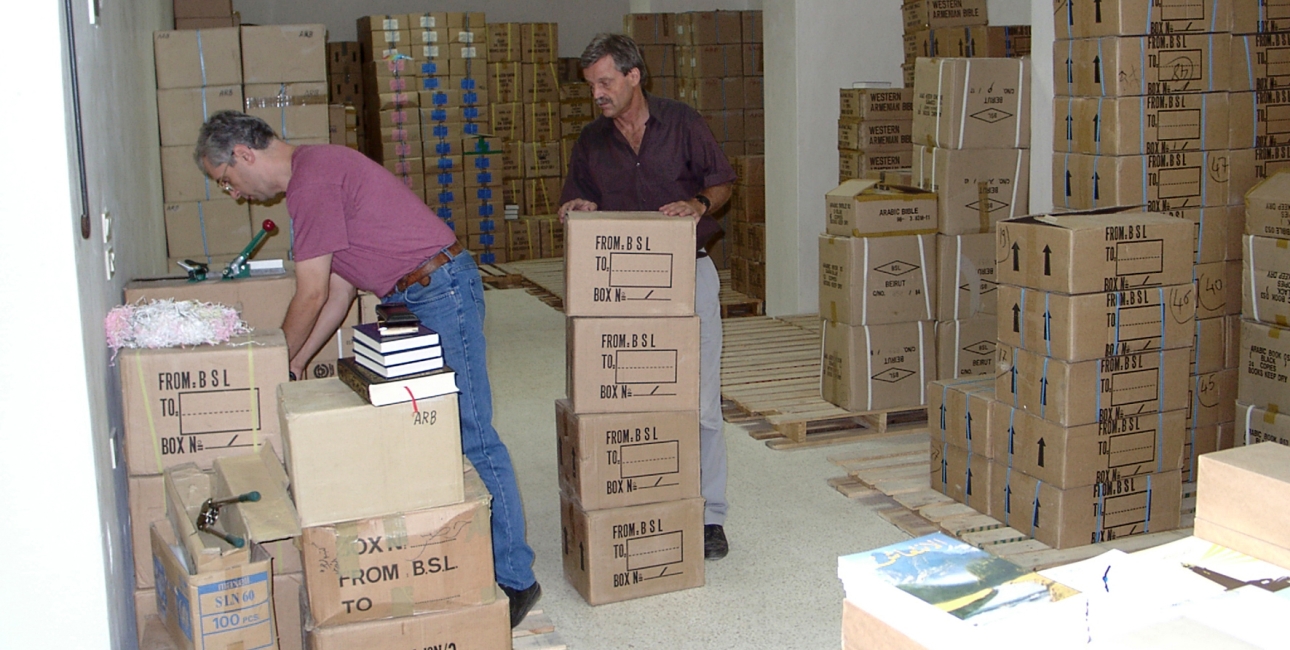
[380,391]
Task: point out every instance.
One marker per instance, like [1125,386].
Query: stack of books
[393,368]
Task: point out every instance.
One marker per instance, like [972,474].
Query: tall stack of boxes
[199,73]
[720,75]
[875,130]
[962,22]
[405,560]
[1095,328]
[746,226]
[1162,140]
[628,435]
[1263,363]
[284,68]
[657,37]
[391,101]
[345,87]
[1258,95]
[877,296]
[524,77]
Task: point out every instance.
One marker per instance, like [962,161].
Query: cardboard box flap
[187,488]
[271,518]
[1099,219]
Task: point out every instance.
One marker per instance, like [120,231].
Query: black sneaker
[715,545]
[522,601]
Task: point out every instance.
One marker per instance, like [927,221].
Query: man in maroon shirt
[356,226]
[646,154]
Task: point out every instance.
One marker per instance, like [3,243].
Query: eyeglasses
[222,179]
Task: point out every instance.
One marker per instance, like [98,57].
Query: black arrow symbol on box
[1097,128]
[1098,11]
[1016,263]
[1014,379]
[1043,391]
[1097,69]
[1097,190]
[969,480]
[942,417]
[1069,128]
[1041,452]
[1068,186]
[1012,435]
[1035,520]
[1007,499]
[1016,318]
[944,473]
[1048,330]
[969,425]
[1070,72]
[1048,261]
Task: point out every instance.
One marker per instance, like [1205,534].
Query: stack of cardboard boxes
[391,101]
[962,22]
[1162,140]
[875,130]
[199,73]
[205,14]
[877,296]
[1258,95]
[396,535]
[628,435]
[1264,353]
[524,79]
[345,87]
[746,227]
[656,34]
[1095,329]
[719,58]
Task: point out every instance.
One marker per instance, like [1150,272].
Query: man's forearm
[339,298]
[717,195]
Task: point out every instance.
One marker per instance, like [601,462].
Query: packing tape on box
[254,411]
[402,601]
[965,267]
[1021,95]
[347,548]
[864,302]
[922,364]
[201,63]
[152,425]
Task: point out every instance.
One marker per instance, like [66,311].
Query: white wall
[579,19]
[67,573]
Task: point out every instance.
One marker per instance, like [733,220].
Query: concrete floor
[778,588]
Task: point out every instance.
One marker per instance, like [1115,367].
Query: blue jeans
[453,306]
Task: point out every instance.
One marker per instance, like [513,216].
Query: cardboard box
[623,553]
[1215,340]
[343,58]
[660,60]
[483,627]
[877,280]
[713,93]
[1000,41]
[1162,182]
[184,60]
[1071,393]
[1212,398]
[1255,425]
[875,135]
[218,608]
[1217,284]
[1267,208]
[540,159]
[864,207]
[503,42]
[726,126]
[201,229]
[864,104]
[1265,280]
[961,475]
[410,460]
[650,29]
[1128,17]
[1155,124]
[633,364]
[284,53]
[147,495]
[856,164]
[629,264]
[192,405]
[750,170]
[182,111]
[1086,454]
[711,27]
[182,180]
[1201,440]
[1264,365]
[748,203]
[541,196]
[965,280]
[1133,505]
[929,13]
[1095,325]
[711,61]
[959,414]
[1111,66]
[539,83]
[752,25]
[965,348]
[972,103]
[405,563]
[202,8]
[877,367]
[1236,491]
[612,460]
[976,188]
[233,20]
[542,122]
[539,42]
[1254,60]
[294,110]
[1255,17]
[1094,252]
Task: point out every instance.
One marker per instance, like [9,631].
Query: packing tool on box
[239,268]
[209,516]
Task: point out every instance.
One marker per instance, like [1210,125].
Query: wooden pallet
[543,278]
[735,304]
[900,476]
[497,276]
[536,632]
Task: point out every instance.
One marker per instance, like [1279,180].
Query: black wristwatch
[707,205]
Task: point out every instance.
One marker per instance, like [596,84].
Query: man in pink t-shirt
[355,226]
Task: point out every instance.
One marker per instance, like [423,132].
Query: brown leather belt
[421,274]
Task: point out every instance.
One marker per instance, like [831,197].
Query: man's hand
[691,208]
[580,205]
